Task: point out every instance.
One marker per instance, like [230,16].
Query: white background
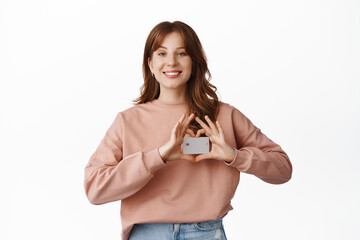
[68,67]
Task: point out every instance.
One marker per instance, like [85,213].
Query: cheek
[157,65]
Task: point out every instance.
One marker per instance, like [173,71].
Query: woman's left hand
[220,150]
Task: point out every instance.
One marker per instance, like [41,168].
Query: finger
[199,132]
[182,118]
[204,126]
[221,131]
[190,132]
[175,127]
[211,124]
[180,122]
[178,125]
[186,123]
[188,120]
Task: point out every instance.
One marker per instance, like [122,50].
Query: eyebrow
[176,48]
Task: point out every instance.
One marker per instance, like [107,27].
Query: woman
[164,193]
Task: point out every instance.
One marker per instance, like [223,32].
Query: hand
[172,149]
[220,150]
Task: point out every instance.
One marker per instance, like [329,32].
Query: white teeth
[172,73]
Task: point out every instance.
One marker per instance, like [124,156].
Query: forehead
[172,40]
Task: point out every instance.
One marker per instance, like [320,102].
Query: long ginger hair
[201,95]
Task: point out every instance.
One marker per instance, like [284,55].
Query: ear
[150,65]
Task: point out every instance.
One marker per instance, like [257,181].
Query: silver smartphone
[193,145]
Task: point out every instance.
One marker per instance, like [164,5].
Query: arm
[110,177]
[256,154]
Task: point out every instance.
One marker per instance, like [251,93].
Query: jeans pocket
[209,225]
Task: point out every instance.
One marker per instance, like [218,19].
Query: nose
[171,60]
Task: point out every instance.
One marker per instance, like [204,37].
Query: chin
[173,86]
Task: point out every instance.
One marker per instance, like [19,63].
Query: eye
[161,54]
[182,54]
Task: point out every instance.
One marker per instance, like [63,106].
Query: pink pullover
[127,166]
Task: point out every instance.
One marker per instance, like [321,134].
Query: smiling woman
[164,193]
[171,67]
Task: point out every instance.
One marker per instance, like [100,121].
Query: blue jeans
[179,231]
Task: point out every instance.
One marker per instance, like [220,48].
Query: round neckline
[157,102]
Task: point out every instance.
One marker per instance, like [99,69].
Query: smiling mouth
[172,74]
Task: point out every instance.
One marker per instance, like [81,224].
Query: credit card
[193,145]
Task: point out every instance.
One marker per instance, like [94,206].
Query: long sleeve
[110,177]
[258,155]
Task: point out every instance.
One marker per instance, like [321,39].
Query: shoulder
[229,111]
[134,111]
[227,107]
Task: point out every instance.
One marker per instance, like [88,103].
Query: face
[170,63]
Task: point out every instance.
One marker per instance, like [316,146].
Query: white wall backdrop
[68,67]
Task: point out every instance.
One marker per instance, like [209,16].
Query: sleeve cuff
[153,161]
[241,159]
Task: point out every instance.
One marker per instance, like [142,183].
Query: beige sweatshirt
[127,166]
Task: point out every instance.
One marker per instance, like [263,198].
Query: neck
[172,97]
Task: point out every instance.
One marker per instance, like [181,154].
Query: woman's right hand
[172,149]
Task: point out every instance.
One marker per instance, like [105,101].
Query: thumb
[187,157]
[202,157]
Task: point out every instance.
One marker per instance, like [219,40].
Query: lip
[173,71]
